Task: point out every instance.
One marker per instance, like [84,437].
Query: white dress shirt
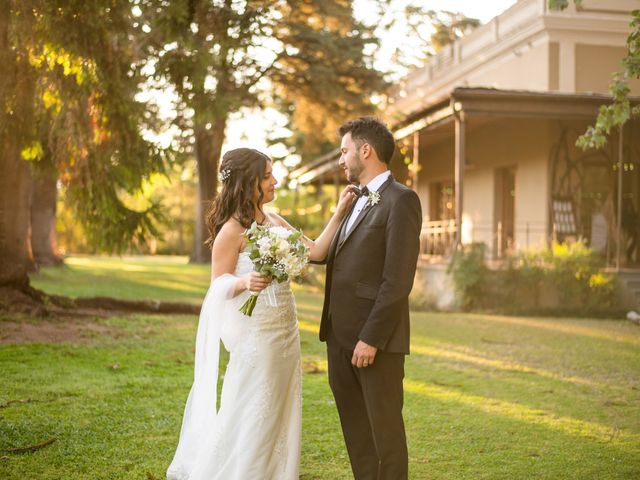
[373,186]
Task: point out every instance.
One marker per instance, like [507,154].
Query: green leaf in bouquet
[294,236]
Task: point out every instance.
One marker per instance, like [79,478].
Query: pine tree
[220,56]
[71,72]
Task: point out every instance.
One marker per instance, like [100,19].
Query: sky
[250,128]
[483,10]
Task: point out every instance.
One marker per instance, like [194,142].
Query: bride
[255,433]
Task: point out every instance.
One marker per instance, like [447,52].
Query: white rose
[264,246]
[280,232]
[282,246]
[294,265]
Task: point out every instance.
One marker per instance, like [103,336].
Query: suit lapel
[363,213]
[338,235]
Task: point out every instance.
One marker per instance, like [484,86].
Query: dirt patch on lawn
[28,315]
[63,329]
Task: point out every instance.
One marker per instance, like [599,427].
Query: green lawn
[487,397]
[129,277]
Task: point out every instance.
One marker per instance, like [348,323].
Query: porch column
[460,161]
[620,184]
[415,163]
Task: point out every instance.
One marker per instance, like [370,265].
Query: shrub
[564,279]
[573,271]
[470,276]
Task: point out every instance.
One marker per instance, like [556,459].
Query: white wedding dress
[255,434]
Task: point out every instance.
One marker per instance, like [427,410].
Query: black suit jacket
[370,273]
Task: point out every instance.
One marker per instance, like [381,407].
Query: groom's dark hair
[372,131]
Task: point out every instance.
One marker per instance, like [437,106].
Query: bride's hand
[347,196]
[256,282]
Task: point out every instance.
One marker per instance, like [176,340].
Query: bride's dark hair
[239,170]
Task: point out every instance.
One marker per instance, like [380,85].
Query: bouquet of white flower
[276,252]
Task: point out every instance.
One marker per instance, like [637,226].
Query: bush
[564,279]
[470,276]
[573,272]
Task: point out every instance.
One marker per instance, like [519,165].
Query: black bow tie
[362,191]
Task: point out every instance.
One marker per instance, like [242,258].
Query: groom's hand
[363,355]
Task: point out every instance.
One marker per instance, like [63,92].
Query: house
[487,132]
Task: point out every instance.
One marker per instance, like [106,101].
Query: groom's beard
[353,173]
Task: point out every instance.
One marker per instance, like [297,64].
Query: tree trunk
[16,90]
[43,220]
[208,149]
[15,201]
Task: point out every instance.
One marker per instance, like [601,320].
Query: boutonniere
[373,198]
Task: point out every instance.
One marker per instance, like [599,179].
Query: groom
[365,319]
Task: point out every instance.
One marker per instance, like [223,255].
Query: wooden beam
[620,185]
[428,120]
[520,104]
[460,161]
[415,161]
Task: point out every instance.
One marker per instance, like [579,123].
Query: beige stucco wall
[526,67]
[478,205]
[436,161]
[523,144]
[544,65]
[595,65]
[532,192]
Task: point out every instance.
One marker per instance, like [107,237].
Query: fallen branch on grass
[143,306]
[31,448]
[27,300]
[12,402]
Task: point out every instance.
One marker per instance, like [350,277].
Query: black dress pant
[369,402]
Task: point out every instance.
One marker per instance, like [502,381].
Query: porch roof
[491,102]
[474,102]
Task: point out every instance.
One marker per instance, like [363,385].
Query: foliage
[562,4]
[565,279]
[306,57]
[620,110]
[258,53]
[307,208]
[486,396]
[448,26]
[572,272]
[470,275]
[176,191]
[81,61]
[418,32]
[323,71]
[88,63]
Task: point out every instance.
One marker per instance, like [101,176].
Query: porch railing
[437,238]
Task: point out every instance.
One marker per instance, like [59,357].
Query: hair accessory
[224,175]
